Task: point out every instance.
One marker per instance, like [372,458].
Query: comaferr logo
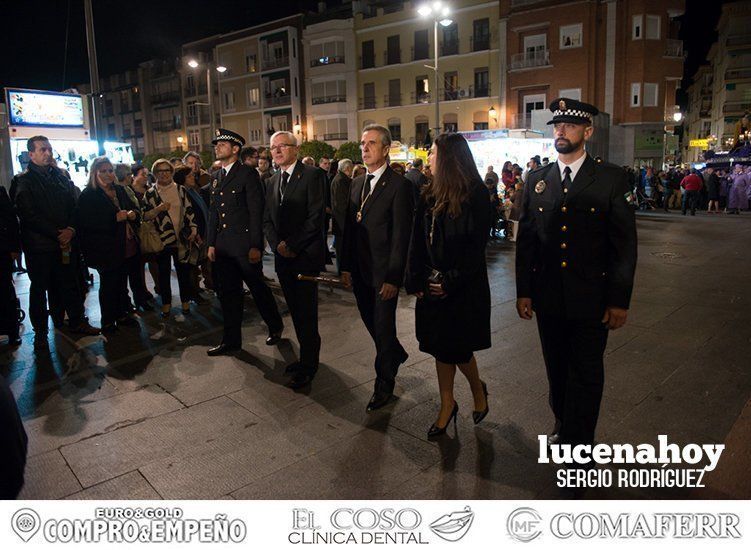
[523,524]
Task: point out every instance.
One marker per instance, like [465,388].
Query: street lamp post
[193,64]
[440,14]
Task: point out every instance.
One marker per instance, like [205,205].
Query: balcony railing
[335,137]
[739,108]
[422,52]
[392,57]
[275,62]
[367,103]
[197,120]
[165,126]
[166,97]
[326,60]
[450,48]
[454,94]
[367,62]
[392,100]
[673,47]
[530,59]
[420,97]
[739,40]
[277,100]
[738,74]
[479,43]
[337,98]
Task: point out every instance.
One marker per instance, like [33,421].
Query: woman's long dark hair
[453,174]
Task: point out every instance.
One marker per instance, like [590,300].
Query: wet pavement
[145,413]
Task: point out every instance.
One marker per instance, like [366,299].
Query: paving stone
[48,476]
[130,486]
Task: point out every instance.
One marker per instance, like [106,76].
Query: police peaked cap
[223,134]
[571,110]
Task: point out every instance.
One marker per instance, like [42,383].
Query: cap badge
[562,105]
[540,186]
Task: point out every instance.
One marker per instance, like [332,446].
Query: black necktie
[285,177]
[224,173]
[566,179]
[366,189]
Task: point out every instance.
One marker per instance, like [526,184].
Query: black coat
[100,235]
[576,251]
[376,248]
[418,180]
[10,238]
[45,204]
[340,187]
[461,320]
[236,213]
[297,219]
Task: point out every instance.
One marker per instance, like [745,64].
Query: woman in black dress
[448,274]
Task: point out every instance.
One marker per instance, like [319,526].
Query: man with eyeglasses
[235,239]
[294,228]
[575,263]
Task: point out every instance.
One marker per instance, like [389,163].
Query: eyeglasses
[282,146]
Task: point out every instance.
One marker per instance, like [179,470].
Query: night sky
[128,32]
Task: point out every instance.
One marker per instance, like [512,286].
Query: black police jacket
[10,240]
[576,251]
[236,212]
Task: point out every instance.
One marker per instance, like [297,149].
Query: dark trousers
[379,317]
[135,274]
[690,200]
[573,351]
[113,293]
[229,274]
[48,274]
[165,259]
[302,301]
[8,305]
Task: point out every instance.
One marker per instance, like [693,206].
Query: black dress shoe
[477,416]
[222,349]
[435,431]
[301,379]
[274,338]
[378,400]
[293,368]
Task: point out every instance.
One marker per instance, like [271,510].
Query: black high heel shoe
[435,431]
[477,416]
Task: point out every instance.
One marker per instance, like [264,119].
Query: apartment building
[395,88]
[622,55]
[163,105]
[262,89]
[198,67]
[329,47]
[121,116]
[697,123]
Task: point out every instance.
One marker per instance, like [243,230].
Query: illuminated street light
[677,116]
[221,68]
[193,64]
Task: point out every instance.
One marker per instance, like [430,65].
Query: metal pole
[93,71]
[437,128]
[210,93]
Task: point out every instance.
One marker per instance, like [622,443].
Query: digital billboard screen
[40,108]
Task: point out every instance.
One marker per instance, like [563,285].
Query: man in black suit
[235,239]
[374,254]
[417,178]
[575,263]
[294,226]
[340,187]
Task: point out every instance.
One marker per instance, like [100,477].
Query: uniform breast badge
[359,216]
[540,186]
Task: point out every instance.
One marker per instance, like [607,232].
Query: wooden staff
[323,279]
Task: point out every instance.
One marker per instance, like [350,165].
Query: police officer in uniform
[235,239]
[575,263]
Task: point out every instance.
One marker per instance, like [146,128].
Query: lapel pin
[540,186]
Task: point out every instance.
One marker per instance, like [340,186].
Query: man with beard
[575,263]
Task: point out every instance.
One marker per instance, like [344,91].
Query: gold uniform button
[540,208]
[565,189]
[564,209]
[592,210]
[222,204]
[564,246]
[563,264]
[223,214]
[221,193]
[224,226]
[564,228]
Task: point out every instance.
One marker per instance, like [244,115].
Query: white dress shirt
[574,166]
